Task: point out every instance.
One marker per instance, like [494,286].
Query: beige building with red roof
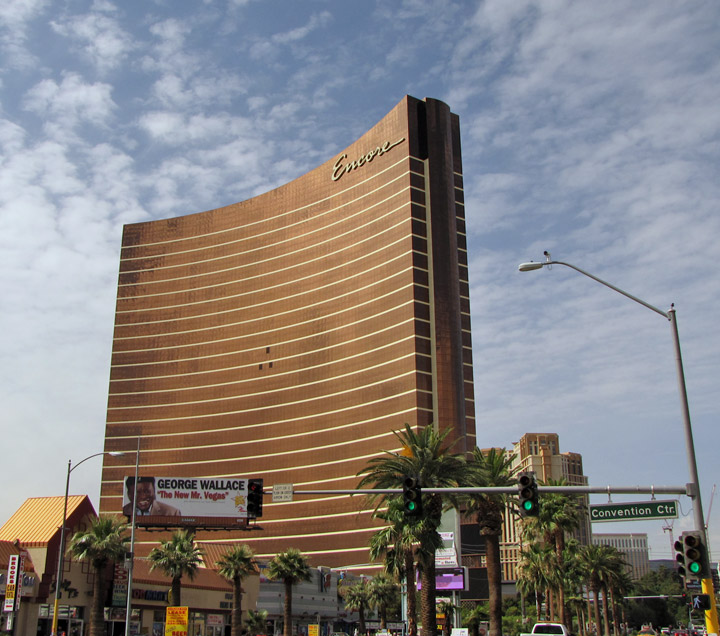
[35,531]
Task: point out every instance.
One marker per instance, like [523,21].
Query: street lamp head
[117,453]
[528,267]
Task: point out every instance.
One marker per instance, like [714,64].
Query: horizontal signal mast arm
[500,490]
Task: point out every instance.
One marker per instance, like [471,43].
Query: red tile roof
[39,519]
[7,549]
[213,551]
[204,578]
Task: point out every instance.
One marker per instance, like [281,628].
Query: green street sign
[637,511]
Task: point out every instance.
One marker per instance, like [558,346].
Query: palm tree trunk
[429,624]
[287,615]
[411,593]
[236,617]
[559,551]
[361,620]
[606,616]
[589,608]
[97,615]
[176,591]
[549,608]
[596,595]
[616,617]
[492,559]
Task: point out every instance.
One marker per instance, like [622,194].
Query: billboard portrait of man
[144,497]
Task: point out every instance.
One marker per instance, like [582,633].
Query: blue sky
[589,129]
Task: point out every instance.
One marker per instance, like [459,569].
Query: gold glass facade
[287,336]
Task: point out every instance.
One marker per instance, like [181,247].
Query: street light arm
[111,453]
[526,267]
[61,548]
[664,314]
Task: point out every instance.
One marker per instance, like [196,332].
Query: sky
[589,129]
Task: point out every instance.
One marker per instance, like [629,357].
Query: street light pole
[694,485]
[131,561]
[61,549]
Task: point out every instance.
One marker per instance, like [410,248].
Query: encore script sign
[340,168]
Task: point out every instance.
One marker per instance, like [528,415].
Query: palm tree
[575,583]
[235,565]
[103,542]
[473,617]
[395,543]
[357,599]
[620,584]
[290,567]
[176,557]
[558,516]
[256,622]
[534,572]
[610,579]
[598,561]
[448,609]
[426,456]
[383,591]
[491,468]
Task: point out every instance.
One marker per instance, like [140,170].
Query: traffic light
[528,495]
[694,554]
[412,497]
[680,558]
[690,556]
[255,498]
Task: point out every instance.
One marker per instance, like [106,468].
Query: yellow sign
[313,630]
[176,621]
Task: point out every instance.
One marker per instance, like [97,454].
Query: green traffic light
[694,567]
[527,505]
[411,506]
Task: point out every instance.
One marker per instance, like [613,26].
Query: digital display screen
[447,579]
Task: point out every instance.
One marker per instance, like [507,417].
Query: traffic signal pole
[711,615]
[711,619]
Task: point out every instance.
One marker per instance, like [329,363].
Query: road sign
[637,511]
[282,492]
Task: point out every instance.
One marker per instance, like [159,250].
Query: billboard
[188,501]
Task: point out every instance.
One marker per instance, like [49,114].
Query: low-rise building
[34,531]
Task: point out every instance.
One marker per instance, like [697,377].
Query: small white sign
[446,557]
[12,579]
[282,492]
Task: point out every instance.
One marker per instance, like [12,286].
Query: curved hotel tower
[287,336]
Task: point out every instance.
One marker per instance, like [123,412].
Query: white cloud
[71,103]
[15,18]
[100,38]
[316,21]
